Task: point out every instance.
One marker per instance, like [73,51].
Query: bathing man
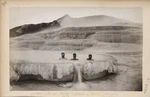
[62,56]
[74,57]
[89,57]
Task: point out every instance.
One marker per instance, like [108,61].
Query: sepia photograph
[75,49]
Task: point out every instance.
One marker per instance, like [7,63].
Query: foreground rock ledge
[62,71]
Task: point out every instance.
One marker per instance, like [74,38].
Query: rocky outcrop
[64,71]
[50,72]
[95,70]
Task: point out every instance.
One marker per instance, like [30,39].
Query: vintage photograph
[75,49]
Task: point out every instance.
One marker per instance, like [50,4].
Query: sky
[33,15]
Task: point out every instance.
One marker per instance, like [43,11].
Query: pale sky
[21,15]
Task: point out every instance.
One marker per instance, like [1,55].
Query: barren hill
[88,31]
[97,20]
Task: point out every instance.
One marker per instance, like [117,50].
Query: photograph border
[4,46]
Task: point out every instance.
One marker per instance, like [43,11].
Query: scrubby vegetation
[31,28]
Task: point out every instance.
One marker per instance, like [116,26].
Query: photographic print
[75,49]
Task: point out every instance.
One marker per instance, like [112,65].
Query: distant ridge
[68,21]
[96,20]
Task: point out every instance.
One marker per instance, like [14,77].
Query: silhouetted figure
[62,56]
[90,57]
[74,56]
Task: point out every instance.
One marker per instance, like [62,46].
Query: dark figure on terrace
[62,56]
[90,57]
[74,57]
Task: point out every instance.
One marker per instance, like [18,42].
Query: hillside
[97,20]
[69,33]
[67,21]
[32,28]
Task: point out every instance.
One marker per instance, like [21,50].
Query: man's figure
[74,57]
[90,57]
[62,56]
